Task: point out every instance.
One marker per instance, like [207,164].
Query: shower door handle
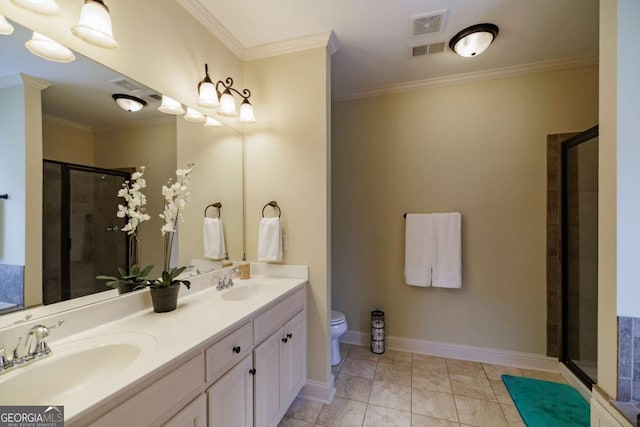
[112,228]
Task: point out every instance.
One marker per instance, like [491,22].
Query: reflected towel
[419,249]
[447,262]
[213,238]
[270,240]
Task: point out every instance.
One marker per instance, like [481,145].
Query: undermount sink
[73,367]
[242,293]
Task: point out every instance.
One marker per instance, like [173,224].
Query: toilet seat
[337,318]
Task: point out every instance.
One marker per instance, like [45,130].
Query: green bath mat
[545,403]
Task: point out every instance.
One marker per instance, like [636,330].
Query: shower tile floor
[408,389]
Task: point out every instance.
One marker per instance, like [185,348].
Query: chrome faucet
[226,281]
[30,347]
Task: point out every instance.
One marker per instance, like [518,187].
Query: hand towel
[213,238]
[447,263]
[419,248]
[270,240]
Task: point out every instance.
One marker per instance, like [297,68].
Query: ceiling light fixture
[42,7]
[170,106]
[474,40]
[46,48]
[212,123]
[129,103]
[95,25]
[194,116]
[207,92]
[5,27]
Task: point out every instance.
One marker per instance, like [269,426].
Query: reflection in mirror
[89,147]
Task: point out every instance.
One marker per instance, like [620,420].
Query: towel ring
[216,205]
[274,205]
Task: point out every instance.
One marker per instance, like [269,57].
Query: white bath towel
[270,240]
[213,238]
[447,263]
[419,248]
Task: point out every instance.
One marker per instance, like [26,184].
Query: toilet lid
[337,317]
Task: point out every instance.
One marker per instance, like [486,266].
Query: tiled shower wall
[628,359]
[12,284]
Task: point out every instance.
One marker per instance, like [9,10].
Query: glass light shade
[46,48]
[5,27]
[208,95]
[227,105]
[95,25]
[246,112]
[212,123]
[43,7]
[194,116]
[129,103]
[473,44]
[170,106]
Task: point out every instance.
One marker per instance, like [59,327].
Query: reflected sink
[242,293]
[72,367]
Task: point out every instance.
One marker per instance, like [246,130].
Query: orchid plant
[135,200]
[176,198]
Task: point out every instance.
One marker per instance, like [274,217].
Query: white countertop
[202,317]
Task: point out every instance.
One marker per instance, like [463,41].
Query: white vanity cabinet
[279,360]
[231,397]
[193,415]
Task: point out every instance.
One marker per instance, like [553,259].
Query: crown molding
[20,79]
[138,124]
[326,39]
[215,27]
[478,76]
[65,122]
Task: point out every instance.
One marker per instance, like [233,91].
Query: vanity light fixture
[44,47]
[474,40]
[129,103]
[94,26]
[212,123]
[170,106]
[42,7]
[207,93]
[5,27]
[194,116]
[246,112]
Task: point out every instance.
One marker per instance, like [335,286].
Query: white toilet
[338,327]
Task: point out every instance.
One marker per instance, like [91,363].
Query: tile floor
[408,389]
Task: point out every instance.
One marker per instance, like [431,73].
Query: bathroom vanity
[232,357]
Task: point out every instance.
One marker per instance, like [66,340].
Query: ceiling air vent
[426,49]
[428,24]
[126,84]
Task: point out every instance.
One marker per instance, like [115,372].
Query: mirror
[89,145]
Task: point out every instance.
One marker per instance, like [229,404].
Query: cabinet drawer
[148,405]
[265,324]
[228,351]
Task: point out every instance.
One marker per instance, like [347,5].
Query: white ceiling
[374,34]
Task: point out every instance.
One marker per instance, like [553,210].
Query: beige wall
[65,141]
[607,200]
[154,147]
[287,160]
[216,177]
[479,149]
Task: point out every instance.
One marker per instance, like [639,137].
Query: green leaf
[145,271]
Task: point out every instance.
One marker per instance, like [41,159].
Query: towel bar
[216,205]
[274,205]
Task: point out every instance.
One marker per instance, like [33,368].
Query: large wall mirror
[89,147]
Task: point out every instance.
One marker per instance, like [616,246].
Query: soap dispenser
[226,262]
[245,268]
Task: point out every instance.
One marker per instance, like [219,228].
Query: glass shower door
[580,255]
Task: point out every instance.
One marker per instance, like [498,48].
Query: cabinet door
[231,397]
[193,415]
[293,366]
[267,380]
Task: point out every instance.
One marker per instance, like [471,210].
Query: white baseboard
[575,382]
[456,351]
[319,392]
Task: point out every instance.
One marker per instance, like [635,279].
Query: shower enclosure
[81,232]
[580,255]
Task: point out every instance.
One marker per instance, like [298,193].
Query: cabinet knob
[252,371]
[289,335]
[285,339]
[236,349]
